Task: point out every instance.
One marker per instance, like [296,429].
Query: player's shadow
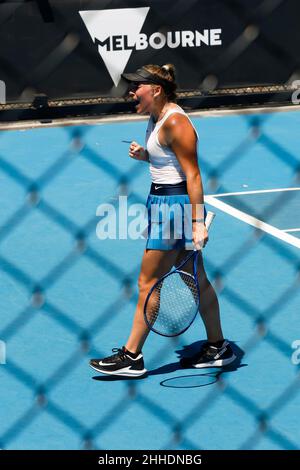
[117,378]
[200,377]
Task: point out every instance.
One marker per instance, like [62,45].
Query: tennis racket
[172,303]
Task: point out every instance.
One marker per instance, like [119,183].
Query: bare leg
[209,305]
[155,264]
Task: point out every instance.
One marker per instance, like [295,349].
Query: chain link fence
[35,199]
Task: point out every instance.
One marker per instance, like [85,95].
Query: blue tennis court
[67,296]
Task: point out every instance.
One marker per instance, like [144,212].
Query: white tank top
[164,166]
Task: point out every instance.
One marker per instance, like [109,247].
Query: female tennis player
[171,151]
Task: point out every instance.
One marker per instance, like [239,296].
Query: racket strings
[173,304]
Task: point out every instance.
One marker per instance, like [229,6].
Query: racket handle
[209,218]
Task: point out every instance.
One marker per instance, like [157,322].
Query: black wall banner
[78,49]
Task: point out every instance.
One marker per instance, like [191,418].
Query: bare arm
[180,136]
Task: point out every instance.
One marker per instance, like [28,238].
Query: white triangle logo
[111,29]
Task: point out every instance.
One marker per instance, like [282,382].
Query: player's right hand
[136,151]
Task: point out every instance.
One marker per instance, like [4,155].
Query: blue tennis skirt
[169,217]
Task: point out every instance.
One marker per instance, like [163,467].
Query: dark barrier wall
[75,49]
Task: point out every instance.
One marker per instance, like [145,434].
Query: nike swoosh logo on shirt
[157,187]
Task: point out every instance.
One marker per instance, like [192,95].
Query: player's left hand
[200,235]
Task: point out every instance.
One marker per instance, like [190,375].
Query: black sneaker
[120,364]
[210,356]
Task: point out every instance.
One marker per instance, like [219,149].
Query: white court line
[249,219]
[259,191]
[291,230]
